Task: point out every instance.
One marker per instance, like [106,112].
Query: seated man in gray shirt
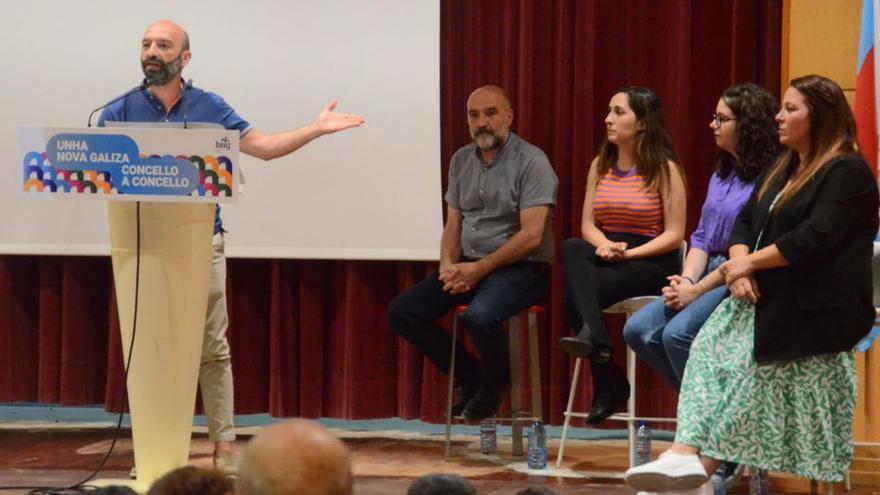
[494,253]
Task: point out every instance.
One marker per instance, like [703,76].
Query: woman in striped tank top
[632,226]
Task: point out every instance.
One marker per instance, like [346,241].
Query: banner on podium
[136,164]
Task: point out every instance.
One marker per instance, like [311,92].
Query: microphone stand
[186,87]
[132,91]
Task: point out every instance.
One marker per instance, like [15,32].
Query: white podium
[170,290]
[162,185]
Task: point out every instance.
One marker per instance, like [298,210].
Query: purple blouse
[725,198]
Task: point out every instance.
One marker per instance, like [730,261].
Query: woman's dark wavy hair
[653,149]
[757,142]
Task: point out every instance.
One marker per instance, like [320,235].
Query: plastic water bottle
[758,482]
[537,446]
[643,444]
[488,437]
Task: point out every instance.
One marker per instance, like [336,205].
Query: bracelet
[689,280]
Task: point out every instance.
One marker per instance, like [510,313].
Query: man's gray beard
[164,75]
[487,141]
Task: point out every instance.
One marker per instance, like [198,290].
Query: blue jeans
[497,297]
[662,337]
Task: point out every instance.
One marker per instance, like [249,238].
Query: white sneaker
[670,472]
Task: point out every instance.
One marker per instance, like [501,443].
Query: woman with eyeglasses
[745,132]
[632,226]
[771,379]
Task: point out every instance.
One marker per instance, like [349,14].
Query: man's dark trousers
[497,297]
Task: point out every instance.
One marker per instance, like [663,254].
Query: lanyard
[769,212]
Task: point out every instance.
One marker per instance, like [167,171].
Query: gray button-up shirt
[490,197]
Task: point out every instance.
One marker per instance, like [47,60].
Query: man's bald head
[493,92]
[173,30]
[295,457]
[164,53]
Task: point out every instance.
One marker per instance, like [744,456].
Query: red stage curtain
[310,338]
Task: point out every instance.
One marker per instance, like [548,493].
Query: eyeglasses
[720,119]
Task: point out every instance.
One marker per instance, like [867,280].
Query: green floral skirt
[793,417]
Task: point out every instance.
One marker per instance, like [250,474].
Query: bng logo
[223,144]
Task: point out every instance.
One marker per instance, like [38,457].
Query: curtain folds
[310,338]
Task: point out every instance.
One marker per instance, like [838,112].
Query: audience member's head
[295,457]
[114,490]
[536,490]
[190,480]
[441,484]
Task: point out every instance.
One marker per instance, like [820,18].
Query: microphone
[186,87]
[132,91]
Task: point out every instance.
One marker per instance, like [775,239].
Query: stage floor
[385,462]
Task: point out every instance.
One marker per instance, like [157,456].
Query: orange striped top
[623,203]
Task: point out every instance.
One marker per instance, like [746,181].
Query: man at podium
[165,97]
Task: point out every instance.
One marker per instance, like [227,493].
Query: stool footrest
[624,417]
[575,414]
[627,417]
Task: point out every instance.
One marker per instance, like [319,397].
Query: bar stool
[517,415]
[626,307]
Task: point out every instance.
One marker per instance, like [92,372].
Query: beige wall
[822,38]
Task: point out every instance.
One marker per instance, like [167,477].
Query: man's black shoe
[466,392]
[484,404]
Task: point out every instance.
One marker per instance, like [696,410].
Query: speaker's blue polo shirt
[195,105]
